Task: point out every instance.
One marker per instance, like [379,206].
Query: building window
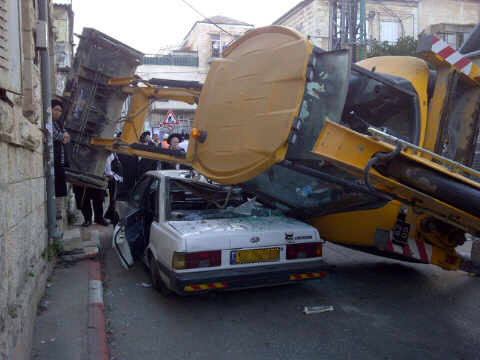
[454,39]
[389,31]
[215,45]
[10,45]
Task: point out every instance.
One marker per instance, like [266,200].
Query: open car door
[129,237]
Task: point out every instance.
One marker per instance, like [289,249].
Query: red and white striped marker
[416,249]
[453,57]
[96,335]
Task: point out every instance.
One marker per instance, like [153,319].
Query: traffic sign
[170,120]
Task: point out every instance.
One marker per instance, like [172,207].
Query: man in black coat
[60,162]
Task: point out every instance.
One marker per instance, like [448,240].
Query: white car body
[192,231]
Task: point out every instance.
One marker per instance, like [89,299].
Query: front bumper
[246,277]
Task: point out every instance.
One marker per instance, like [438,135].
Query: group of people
[172,141]
[85,197]
[121,170]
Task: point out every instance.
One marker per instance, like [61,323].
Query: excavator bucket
[94,108]
[248,107]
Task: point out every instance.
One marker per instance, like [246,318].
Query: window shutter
[10,54]
[3,38]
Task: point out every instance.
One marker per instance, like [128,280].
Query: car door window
[153,198]
[138,192]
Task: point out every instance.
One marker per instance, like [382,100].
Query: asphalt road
[383,309]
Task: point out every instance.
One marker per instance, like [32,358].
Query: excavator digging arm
[142,93]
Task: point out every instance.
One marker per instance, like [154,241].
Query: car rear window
[195,201]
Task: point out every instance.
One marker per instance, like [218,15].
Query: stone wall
[23,232]
[412,16]
[448,11]
[311,20]
[199,40]
[404,14]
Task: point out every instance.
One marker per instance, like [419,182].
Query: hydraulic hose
[373,160]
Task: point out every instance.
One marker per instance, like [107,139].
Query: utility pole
[347,22]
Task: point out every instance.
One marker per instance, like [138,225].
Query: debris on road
[316,309]
[145,285]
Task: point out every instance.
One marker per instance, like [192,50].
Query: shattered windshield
[190,201]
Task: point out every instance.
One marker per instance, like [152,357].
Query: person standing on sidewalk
[113,171]
[60,162]
[84,196]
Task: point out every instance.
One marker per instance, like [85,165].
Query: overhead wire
[206,18]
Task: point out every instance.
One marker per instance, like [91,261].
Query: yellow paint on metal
[447,259]
[305,276]
[201,287]
[102,142]
[410,68]
[141,96]
[437,107]
[345,228]
[133,127]
[248,104]
[351,151]
[433,58]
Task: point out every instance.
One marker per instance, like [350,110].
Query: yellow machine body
[272,87]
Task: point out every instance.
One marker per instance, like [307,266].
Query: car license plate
[254,256]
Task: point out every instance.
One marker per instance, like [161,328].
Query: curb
[96,337]
[76,251]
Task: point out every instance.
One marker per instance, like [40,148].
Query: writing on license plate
[254,256]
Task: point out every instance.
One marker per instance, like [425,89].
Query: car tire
[157,282]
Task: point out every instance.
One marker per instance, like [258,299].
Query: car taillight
[304,251]
[194,260]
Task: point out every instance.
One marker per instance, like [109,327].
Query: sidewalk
[70,322]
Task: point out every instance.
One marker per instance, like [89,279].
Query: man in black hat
[60,162]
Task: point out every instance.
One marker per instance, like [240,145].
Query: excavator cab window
[386,102]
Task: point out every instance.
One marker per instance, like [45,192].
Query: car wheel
[157,282]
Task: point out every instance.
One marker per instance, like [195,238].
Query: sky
[151,25]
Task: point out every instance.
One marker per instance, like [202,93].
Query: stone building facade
[63,25]
[209,41]
[191,62]
[24,262]
[386,20]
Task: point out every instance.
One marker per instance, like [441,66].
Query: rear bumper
[247,277]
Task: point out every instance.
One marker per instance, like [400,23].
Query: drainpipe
[42,45]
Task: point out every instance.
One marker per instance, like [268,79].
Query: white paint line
[95,292]
[413,248]
[455,57]
[95,237]
[467,69]
[439,46]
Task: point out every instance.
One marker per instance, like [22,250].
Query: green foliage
[405,46]
[52,250]
[71,218]
[12,310]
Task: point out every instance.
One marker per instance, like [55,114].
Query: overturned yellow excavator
[376,155]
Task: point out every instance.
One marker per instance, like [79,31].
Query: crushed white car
[196,236]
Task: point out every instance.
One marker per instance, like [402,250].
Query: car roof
[176,174]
